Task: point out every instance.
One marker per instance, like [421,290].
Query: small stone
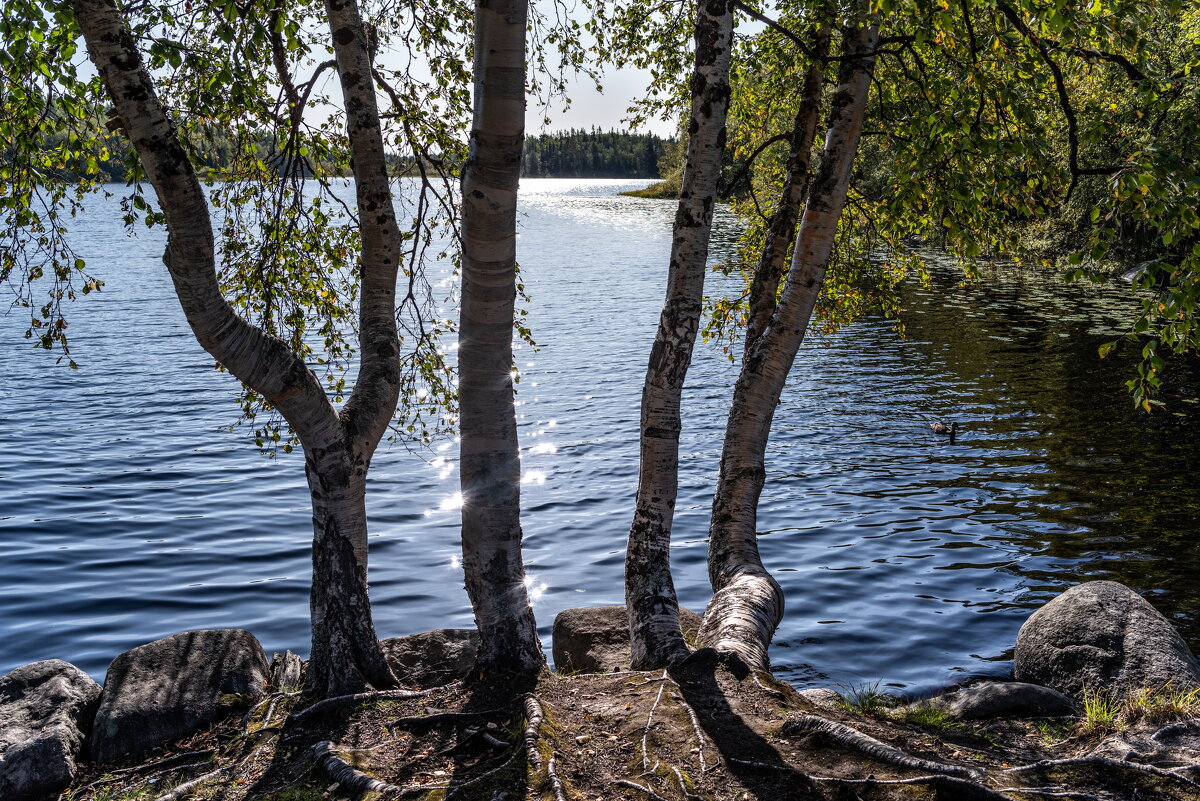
[596,639]
[583,738]
[432,658]
[332,787]
[492,725]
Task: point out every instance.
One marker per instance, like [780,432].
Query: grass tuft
[1108,710]
[867,699]
[1101,711]
[930,716]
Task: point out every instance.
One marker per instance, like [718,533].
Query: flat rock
[46,710]
[823,696]
[432,658]
[173,687]
[1102,636]
[994,699]
[595,639]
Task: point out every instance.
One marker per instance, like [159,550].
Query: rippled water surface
[128,511]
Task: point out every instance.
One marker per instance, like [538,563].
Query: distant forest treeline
[592,154]
[566,154]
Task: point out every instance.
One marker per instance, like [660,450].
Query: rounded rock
[1102,636]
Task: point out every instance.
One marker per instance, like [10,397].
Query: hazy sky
[605,111]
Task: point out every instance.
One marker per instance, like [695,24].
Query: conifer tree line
[592,154]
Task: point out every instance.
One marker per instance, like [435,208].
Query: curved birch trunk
[781,231]
[654,633]
[747,602]
[490,468]
[346,656]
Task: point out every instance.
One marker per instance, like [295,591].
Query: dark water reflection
[127,513]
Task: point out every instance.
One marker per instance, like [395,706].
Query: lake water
[128,511]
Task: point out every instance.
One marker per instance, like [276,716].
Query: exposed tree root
[954,787]
[961,789]
[869,746]
[1105,762]
[556,785]
[1046,792]
[768,690]
[689,795]
[340,701]
[350,778]
[187,787]
[533,722]
[641,787]
[1182,727]
[356,782]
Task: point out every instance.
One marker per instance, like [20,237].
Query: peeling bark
[747,602]
[654,632]
[338,447]
[490,468]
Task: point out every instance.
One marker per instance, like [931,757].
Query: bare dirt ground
[698,732]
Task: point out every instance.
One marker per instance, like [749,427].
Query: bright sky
[605,111]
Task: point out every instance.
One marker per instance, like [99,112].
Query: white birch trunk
[490,465]
[781,231]
[654,631]
[747,602]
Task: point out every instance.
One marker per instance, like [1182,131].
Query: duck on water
[945,430]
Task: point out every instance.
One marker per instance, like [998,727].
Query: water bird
[945,429]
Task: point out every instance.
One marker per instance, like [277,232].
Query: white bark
[654,630]
[781,231]
[747,602]
[490,467]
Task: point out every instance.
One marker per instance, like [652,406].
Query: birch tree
[258,316]
[649,591]
[985,118]
[747,602]
[490,469]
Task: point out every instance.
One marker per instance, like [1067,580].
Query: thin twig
[187,787]
[458,788]
[696,728]
[337,702]
[649,720]
[437,717]
[636,786]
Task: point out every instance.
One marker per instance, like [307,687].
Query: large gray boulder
[173,687]
[432,658]
[46,710]
[994,699]
[596,639]
[1102,636]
